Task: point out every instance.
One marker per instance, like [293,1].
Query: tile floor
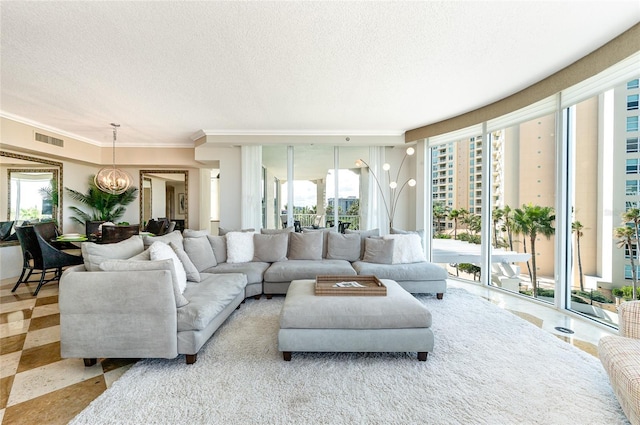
[37,386]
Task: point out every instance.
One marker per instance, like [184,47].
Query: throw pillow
[420,233]
[276,231]
[190,233]
[200,252]
[143,256]
[325,237]
[364,234]
[219,245]
[407,248]
[222,231]
[134,266]
[193,275]
[239,247]
[305,246]
[378,250]
[270,247]
[343,247]
[175,237]
[162,251]
[94,254]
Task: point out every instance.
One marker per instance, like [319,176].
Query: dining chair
[39,254]
[5,229]
[92,228]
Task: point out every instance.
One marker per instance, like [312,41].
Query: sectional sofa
[163,296]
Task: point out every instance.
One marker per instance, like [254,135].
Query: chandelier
[111,179]
[390,207]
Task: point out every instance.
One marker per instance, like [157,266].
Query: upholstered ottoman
[396,322]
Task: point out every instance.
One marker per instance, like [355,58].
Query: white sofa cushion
[240,248]
[407,248]
[162,251]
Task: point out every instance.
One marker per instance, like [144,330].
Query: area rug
[488,367]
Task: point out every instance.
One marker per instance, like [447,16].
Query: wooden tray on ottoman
[325,285]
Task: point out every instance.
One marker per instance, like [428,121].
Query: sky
[305,191]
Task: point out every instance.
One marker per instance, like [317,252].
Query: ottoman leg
[286,355]
[422,356]
[439,295]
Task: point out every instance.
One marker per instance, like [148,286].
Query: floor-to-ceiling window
[563,180]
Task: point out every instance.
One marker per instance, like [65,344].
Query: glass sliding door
[523,207]
[456,181]
[274,163]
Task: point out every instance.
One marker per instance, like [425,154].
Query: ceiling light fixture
[390,207]
[111,179]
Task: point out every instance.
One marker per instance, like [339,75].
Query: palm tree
[625,235]
[454,215]
[496,216]
[105,206]
[534,220]
[508,224]
[577,227]
[439,213]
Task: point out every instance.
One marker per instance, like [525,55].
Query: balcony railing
[307,220]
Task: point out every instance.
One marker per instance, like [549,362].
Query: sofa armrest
[117,314]
[629,315]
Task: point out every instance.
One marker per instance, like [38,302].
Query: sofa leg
[422,356]
[191,358]
[439,295]
[238,308]
[90,362]
[257,297]
[286,355]
[268,296]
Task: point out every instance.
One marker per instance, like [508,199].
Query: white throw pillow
[240,248]
[162,251]
[407,248]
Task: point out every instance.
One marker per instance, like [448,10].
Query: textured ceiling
[165,70]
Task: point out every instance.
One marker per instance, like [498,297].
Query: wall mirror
[33,188]
[165,193]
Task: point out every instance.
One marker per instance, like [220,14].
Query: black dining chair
[5,229]
[92,229]
[39,254]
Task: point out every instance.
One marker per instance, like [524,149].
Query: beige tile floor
[37,386]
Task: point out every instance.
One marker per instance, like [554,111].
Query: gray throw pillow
[133,266]
[94,254]
[175,237]
[193,275]
[190,233]
[222,231]
[364,234]
[325,234]
[305,246]
[200,252]
[219,245]
[378,250]
[343,247]
[270,247]
[276,231]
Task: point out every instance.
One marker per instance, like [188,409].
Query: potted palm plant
[104,206]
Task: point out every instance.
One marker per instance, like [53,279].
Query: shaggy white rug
[488,367]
